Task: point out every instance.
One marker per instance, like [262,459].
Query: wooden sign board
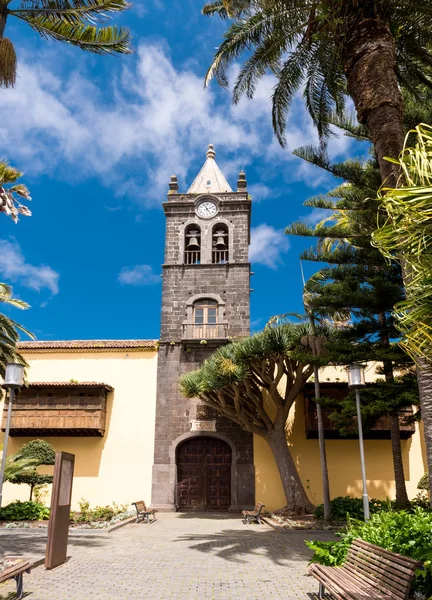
[58,528]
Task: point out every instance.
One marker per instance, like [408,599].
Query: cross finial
[210,152]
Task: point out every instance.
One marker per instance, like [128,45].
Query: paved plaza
[180,556]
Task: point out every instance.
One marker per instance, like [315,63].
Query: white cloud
[315,216]
[267,245]
[138,275]
[134,131]
[13,267]
[260,192]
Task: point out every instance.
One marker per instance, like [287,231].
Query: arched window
[205,318]
[220,244]
[192,245]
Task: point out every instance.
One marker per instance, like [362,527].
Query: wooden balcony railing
[205,331]
[381,430]
[59,409]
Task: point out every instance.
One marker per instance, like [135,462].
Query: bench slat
[371,569]
[369,572]
[361,557]
[345,586]
[16,570]
[392,556]
[382,584]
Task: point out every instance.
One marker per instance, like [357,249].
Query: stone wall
[181,283]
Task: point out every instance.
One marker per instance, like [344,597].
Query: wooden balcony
[59,409]
[204,331]
[380,431]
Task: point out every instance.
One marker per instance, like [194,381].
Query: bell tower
[202,460]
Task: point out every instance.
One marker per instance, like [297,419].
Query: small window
[220,239]
[192,247]
[205,318]
[208,183]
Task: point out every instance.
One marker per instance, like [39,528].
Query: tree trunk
[424,374]
[370,67]
[402,500]
[297,500]
[323,453]
[31,491]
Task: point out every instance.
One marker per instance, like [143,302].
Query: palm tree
[9,330]
[362,48]
[76,22]
[9,204]
[17,465]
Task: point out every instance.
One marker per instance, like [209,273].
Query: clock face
[207,209]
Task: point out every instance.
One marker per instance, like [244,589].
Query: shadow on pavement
[281,547]
[32,545]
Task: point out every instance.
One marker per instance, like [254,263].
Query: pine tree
[358,278]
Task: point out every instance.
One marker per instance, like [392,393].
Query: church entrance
[204,474]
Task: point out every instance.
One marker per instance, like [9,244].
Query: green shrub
[343,505]
[99,513]
[407,533]
[423,484]
[24,511]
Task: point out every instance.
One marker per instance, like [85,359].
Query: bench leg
[321,591]
[19,585]
[258,520]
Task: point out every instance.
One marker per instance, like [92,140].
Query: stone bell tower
[202,460]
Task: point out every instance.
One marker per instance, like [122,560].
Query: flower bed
[33,515]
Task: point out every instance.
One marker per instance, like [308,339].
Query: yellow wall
[343,463]
[118,466]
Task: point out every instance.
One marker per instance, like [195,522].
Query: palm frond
[105,40]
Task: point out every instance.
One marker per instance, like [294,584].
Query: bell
[220,243]
[193,244]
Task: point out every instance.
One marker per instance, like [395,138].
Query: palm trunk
[370,67]
[424,374]
[296,498]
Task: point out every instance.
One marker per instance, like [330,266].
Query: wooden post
[58,528]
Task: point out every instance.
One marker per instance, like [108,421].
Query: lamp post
[13,380]
[356,381]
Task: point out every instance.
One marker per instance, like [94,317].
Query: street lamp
[13,380]
[356,381]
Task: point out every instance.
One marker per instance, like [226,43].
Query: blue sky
[99,137]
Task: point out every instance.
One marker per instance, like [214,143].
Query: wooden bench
[368,573]
[143,513]
[253,515]
[13,567]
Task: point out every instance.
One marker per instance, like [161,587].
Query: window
[192,245]
[205,318]
[220,239]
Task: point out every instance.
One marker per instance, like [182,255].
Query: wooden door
[204,474]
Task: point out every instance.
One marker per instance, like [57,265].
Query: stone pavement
[181,556]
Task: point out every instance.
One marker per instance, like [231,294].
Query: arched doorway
[204,474]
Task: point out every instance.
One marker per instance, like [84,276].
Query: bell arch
[192,244]
[220,244]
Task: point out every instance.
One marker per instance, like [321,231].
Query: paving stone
[195,558]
